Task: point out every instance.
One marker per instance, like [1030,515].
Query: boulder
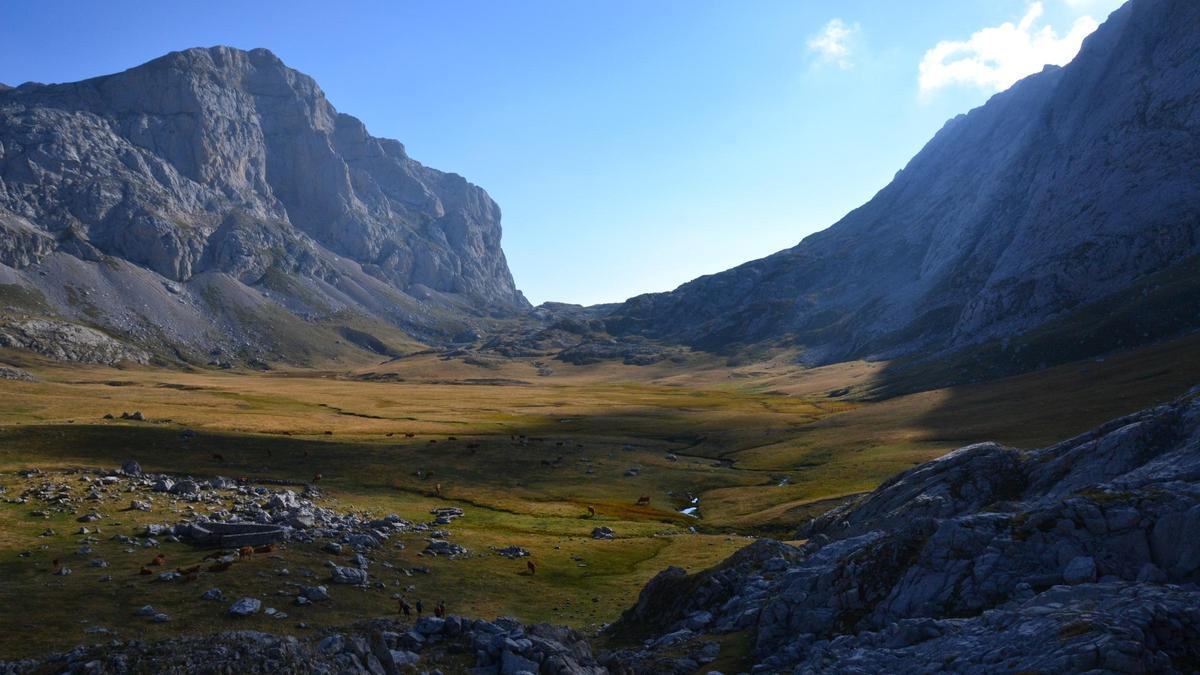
[348,575]
[1080,570]
[245,607]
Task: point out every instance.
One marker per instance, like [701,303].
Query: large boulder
[353,576]
[245,607]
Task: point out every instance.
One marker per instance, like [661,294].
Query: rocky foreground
[1082,556]
[432,644]
[1078,557]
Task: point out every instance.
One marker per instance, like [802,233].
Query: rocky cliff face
[1075,187]
[1081,556]
[224,166]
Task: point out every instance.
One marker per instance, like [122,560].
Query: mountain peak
[1052,202]
[216,160]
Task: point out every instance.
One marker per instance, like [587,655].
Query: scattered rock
[348,575]
[245,607]
[440,547]
[14,373]
[511,552]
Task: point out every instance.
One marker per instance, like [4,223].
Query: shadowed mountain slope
[1070,189]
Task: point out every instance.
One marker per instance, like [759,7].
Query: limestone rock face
[1076,186]
[227,162]
[68,342]
[1039,560]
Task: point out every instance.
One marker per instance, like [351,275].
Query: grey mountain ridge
[223,172]
[1066,190]
[212,201]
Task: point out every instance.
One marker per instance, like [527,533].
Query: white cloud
[834,44]
[996,57]
[1097,5]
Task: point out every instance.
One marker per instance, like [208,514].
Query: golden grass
[764,446]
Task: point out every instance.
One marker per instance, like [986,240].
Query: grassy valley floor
[761,447]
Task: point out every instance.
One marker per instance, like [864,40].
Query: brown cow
[591,512]
[246,552]
[317,477]
[438,489]
[159,559]
[643,500]
[532,567]
[265,548]
[145,571]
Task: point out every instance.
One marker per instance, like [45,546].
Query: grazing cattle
[246,552]
[437,489]
[643,500]
[317,477]
[452,438]
[265,548]
[390,434]
[409,435]
[145,571]
[532,567]
[159,559]
[405,608]
[220,566]
[591,512]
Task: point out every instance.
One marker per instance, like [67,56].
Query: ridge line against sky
[632,146]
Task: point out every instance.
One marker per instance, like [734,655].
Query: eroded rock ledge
[1082,555]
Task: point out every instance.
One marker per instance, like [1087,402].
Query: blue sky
[632,145]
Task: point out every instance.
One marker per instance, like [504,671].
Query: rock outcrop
[1080,556]
[378,647]
[70,342]
[1068,200]
[211,182]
